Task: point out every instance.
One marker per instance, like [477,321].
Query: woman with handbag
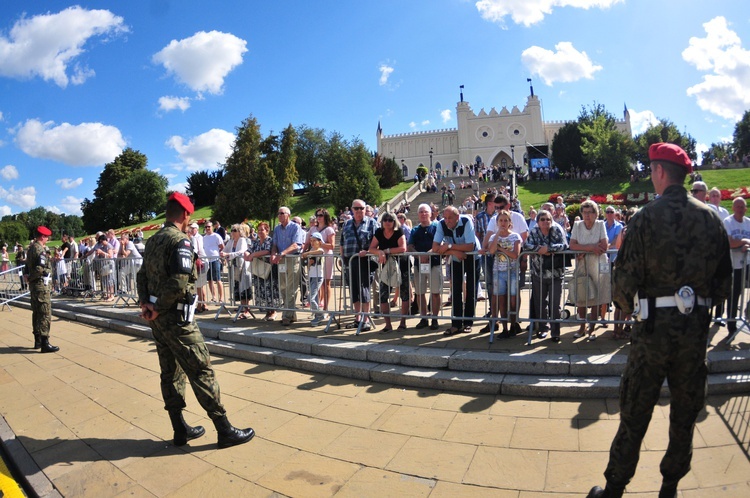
[389,240]
[547,269]
[592,277]
[266,287]
[233,252]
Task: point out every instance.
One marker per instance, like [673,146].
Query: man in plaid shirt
[356,236]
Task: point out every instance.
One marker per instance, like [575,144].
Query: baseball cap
[317,235]
[193,225]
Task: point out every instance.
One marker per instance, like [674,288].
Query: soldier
[672,265]
[166,292]
[39,271]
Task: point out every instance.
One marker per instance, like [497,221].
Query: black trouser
[467,269]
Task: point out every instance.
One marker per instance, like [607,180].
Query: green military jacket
[38,262]
[168,272]
[673,241]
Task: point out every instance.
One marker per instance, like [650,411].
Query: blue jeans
[315,284]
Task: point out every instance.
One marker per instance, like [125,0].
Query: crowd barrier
[566,289]
[13,286]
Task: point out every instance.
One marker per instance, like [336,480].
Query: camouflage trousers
[671,346]
[41,308]
[183,354]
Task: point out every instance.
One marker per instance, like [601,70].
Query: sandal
[385,330]
[353,325]
[403,325]
[452,331]
[581,332]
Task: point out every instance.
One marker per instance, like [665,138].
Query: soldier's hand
[148,312]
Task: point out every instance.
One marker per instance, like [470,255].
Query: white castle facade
[506,138]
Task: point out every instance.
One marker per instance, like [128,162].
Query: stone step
[517,374]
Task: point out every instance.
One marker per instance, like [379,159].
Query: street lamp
[430,159]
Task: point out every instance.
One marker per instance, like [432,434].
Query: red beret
[671,153]
[44,231]
[183,201]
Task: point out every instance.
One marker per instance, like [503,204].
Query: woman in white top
[233,252]
[592,275]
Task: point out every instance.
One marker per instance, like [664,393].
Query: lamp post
[513,172]
[430,159]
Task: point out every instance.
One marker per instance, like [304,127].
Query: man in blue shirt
[285,237]
[455,237]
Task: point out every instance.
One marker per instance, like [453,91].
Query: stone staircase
[436,197]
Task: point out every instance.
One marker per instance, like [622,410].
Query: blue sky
[173,79]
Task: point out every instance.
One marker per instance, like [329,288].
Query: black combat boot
[183,432]
[668,490]
[37,341]
[608,492]
[231,436]
[47,347]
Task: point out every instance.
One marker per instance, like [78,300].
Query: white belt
[153,299]
[671,301]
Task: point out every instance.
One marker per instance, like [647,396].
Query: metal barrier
[13,286]
[565,280]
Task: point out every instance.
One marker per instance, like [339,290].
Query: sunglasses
[694,191]
[357,208]
[610,212]
[388,219]
[235,230]
[544,219]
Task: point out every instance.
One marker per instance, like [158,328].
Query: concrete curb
[530,375]
[34,480]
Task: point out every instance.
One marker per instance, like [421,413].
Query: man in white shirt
[200,263]
[213,244]
[738,229]
[714,200]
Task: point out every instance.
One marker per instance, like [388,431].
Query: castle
[505,138]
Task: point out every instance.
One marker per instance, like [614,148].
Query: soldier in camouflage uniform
[39,270]
[165,292]
[674,241]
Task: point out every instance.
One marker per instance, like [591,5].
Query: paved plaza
[92,420]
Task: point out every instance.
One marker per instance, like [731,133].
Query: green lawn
[536,193]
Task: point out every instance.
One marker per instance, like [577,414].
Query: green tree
[310,150]
[336,155]
[662,131]
[139,196]
[742,135]
[34,218]
[202,186]
[357,179]
[12,232]
[101,212]
[387,171]
[237,190]
[603,145]
[567,155]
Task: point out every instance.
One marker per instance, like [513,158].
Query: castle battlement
[418,133]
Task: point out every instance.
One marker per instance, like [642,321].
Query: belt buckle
[685,299]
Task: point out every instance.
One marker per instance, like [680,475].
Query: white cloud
[412,125]
[54,209]
[564,65]
[205,150]
[1,115]
[25,198]
[425,122]
[46,44]
[640,121]
[528,12]
[385,73]
[171,103]
[9,172]
[68,183]
[202,61]
[86,144]
[446,114]
[178,187]
[724,91]
[5,211]
[72,205]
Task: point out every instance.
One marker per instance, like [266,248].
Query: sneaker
[316,321]
[422,324]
